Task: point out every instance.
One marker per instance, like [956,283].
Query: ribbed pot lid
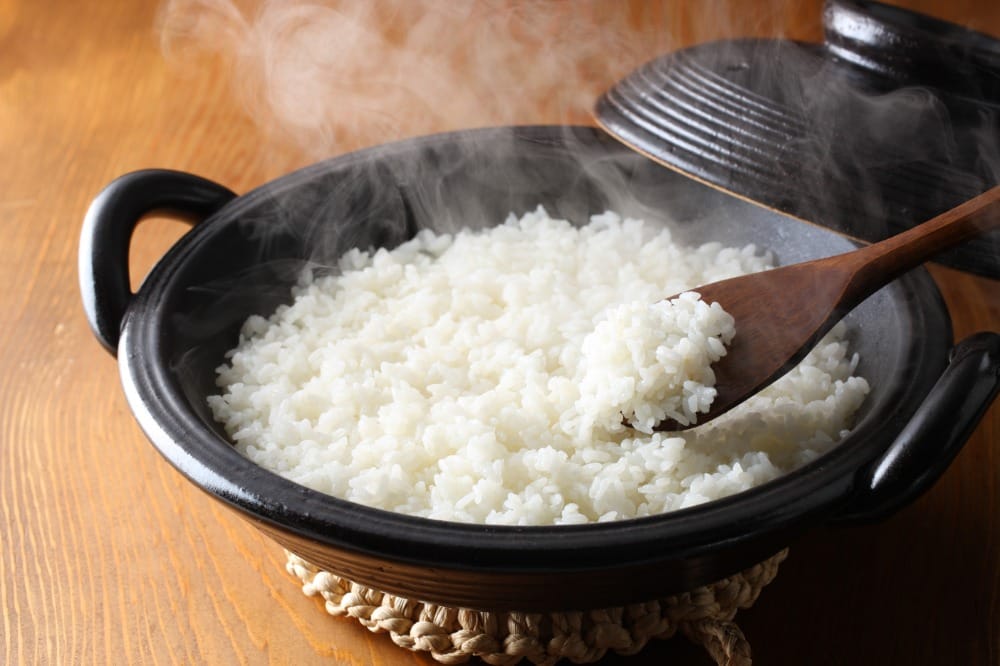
[892,120]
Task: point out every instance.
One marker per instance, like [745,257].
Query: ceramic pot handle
[935,434]
[107,230]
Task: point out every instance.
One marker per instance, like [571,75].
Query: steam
[336,75]
[330,76]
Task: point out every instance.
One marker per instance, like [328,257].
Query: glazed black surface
[244,259]
[893,120]
[906,48]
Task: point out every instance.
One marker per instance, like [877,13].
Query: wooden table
[109,556]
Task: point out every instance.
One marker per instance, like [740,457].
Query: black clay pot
[245,252]
[892,120]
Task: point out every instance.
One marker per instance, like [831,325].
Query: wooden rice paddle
[782,313]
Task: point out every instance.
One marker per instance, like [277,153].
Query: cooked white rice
[646,362]
[483,377]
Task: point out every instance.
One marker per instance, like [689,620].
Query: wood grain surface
[110,556]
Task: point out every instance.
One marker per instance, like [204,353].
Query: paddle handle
[883,262]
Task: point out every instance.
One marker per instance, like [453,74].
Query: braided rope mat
[453,636]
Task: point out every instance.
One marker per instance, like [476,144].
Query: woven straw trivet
[452,635]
